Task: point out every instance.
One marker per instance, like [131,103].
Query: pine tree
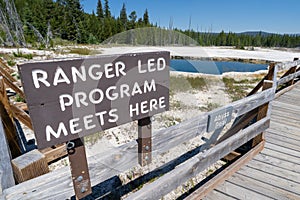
[132,20]
[92,27]
[146,18]
[100,14]
[106,10]
[74,17]
[221,39]
[123,17]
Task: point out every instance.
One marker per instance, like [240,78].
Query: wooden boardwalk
[275,172]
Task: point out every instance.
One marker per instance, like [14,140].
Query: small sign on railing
[219,119]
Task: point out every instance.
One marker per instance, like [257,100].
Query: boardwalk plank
[289,122]
[229,171]
[278,162]
[292,92]
[240,192]
[286,115]
[274,140]
[286,120]
[275,170]
[295,91]
[284,110]
[291,102]
[296,88]
[285,105]
[291,97]
[262,188]
[216,195]
[273,180]
[295,154]
[283,136]
[292,136]
[282,156]
[284,128]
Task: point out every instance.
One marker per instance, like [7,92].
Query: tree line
[254,39]
[66,19]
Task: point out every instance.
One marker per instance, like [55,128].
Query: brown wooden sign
[70,99]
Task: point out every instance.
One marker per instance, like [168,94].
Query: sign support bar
[144,141]
[79,168]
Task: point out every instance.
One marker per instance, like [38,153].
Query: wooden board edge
[226,173]
[52,154]
[6,173]
[281,92]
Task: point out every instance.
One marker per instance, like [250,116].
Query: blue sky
[276,16]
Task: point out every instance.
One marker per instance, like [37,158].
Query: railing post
[293,70]
[295,59]
[269,76]
[262,113]
[8,123]
[6,172]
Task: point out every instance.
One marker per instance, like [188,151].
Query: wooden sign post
[70,99]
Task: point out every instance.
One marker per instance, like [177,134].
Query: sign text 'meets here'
[74,98]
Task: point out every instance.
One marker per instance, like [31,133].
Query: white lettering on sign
[89,122]
[221,117]
[78,74]
[220,124]
[147,106]
[60,77]
[110,71]
[112,93]
[73,125]
[151,66]
[221,120]
[38,76]
[61,129]
[94,74]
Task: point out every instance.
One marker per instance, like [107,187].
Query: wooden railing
[239,144]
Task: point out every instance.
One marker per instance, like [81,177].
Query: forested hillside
[40,21]
[68,21]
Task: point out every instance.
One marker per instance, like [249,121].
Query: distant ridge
[255,33]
